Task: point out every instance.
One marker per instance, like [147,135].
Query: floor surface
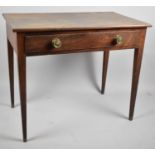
[66,109]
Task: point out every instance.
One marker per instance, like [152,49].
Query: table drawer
[71,41]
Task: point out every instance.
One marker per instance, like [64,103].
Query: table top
[70,21]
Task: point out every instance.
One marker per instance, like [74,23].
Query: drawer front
[117,39]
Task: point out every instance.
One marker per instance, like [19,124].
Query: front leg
[138,54]
[22,82]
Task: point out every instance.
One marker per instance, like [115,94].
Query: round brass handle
[56,43]
[118,39]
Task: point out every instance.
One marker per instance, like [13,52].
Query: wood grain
[72,41]
[70,21]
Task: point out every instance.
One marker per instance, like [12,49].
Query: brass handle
[118,40]
[56,43]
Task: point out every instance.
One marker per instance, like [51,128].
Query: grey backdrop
[67,110]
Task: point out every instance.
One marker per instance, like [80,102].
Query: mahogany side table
[62,33]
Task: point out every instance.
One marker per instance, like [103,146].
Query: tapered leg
[138,54]
[104,69]
[22,83]
[11,71]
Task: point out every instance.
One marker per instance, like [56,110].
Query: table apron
[73,42]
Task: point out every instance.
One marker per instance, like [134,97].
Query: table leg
[11,71]
[138,54]
[104,69]
[22,83]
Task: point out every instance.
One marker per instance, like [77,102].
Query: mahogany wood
[11,71]
[90,40]
[32,35]
[105,68]
[22,81]
[34,22]
[138,54]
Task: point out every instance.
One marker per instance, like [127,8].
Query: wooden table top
[70,21]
